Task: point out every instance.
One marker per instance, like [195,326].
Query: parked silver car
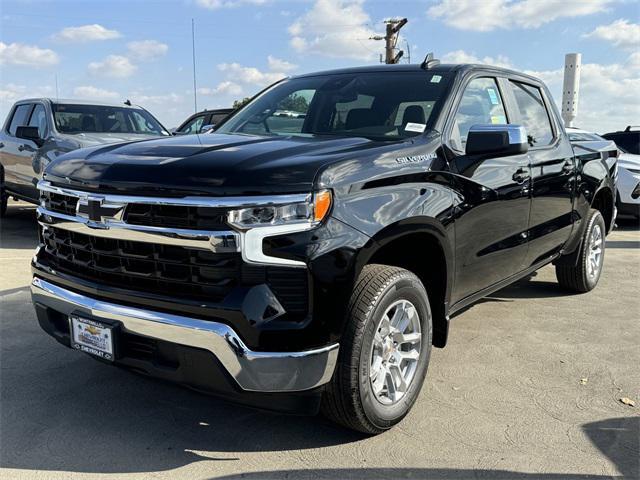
[38,130]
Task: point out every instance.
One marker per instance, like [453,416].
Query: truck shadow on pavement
[63,411]
[19,229]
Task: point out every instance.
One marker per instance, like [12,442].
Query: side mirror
[497,140]
[206,128]
[30,133]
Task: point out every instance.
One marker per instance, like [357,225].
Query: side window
[142,125]
[19,118]
[481,104]
[39,119]
[193,126]
[533,114]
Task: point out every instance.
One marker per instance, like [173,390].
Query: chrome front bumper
[253,371]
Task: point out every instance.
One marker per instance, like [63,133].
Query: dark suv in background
[202,121]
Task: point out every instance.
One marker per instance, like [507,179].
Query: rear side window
[533,114]
[19,118]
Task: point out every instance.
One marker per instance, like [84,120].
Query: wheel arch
[422,246]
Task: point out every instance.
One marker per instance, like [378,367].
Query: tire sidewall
[595,219]
[405,288]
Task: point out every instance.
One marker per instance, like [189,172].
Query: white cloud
[86,33]
[215,4]
[94,93]
[147,50]
[158,100]
[276,64]
[115,66]
[460,56]
[334,28]
[26,55]
[224,88]
[489,15]
[621,33]
[11,92]
[249,75]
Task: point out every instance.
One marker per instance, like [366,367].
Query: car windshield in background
[71,118]
[381,106]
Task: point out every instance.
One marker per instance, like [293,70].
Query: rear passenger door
[493,214]
[552,170]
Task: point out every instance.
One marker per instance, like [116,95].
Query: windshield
[380,105]
[105,119]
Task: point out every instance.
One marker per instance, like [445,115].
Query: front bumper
[252,371]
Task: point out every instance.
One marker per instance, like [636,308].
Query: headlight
[311,211]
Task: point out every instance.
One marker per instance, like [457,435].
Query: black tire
[349,399]
[578,278]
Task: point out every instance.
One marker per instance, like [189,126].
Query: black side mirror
[497,140]
[30,133]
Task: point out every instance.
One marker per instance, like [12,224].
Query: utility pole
[193,53]
[391,40]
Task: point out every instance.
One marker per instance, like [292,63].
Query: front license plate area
[90,336]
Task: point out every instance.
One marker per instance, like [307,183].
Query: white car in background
[628,198]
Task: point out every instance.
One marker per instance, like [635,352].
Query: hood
[90,139]
[209,164]
[629,160]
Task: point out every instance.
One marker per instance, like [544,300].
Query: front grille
[177,272]
[172,216]
[59,203]
[161,269]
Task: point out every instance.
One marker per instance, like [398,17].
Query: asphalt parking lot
[529,387]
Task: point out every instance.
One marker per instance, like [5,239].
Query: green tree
[238,104]
[295,103]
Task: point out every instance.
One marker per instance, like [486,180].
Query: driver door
[492,215]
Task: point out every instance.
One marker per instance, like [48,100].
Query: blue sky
[141,50]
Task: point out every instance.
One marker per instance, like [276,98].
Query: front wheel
[384,352]
[584,276]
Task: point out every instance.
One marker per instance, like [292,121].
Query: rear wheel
[384,352]
[584,276]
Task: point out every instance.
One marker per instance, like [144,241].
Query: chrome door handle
[521,175]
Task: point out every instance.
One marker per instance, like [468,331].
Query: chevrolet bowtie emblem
[94,209]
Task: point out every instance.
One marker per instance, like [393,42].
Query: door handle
[521,175]
[22,148]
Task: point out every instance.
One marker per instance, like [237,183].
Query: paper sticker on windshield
[436,78]
[498,119]
[415,127]
[493,96]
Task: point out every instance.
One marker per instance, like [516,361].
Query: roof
[415,67]
[76,102]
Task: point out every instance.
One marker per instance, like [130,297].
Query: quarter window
[481,104]
[19,118]
[533,114]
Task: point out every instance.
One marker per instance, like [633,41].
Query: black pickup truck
[309,253]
